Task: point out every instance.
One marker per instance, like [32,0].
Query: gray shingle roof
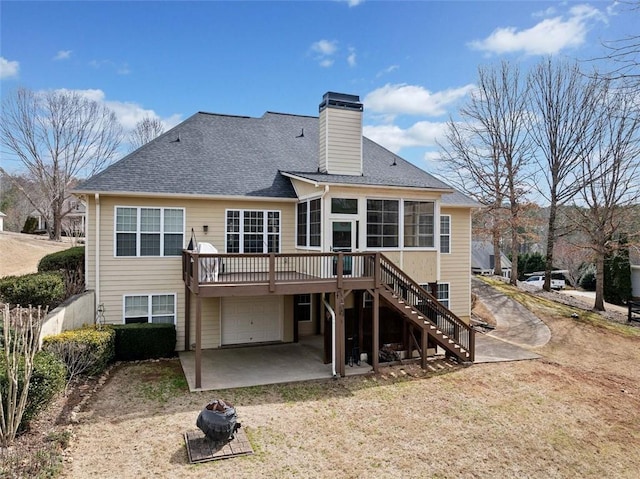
[212,154]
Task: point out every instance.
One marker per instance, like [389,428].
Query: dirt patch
[20,253]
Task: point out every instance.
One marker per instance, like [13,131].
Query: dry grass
[20,253]
[573,414]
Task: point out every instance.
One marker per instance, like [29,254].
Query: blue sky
[412,63]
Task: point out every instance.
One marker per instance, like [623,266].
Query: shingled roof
[213,154]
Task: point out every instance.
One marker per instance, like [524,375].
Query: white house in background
[73,224]
[2,215]
[483,260]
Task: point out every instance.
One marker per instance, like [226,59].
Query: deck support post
[187,317]
[340,333]
[424,347]
[375,334]
[198,342]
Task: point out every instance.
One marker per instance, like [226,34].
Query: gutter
[333,337]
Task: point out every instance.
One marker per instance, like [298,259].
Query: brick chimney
[340,134]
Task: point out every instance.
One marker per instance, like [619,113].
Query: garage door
[251,320]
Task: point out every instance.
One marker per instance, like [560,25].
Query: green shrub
[30,225]
[83,351]
[70,259]
[144,341]
[37,289]
[47,379]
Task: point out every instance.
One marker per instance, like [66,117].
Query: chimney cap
[341,100]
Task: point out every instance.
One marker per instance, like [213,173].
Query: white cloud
[8,68]
[324,51]
[351,59]
[387,70]
[325,47]
[63,55]
[394,138]
[352,3]
[549,36]
[402,99]
[128,113]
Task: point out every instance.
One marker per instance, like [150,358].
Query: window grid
[419,224]
[445,234]
[259,233]
[152,308]
[382,223]
[302,224]
[444,294]
[309,228]
[142,231]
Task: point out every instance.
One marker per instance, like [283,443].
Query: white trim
[97,249]
[265,233]
[367,185]
[308,201]
[149,305]
[138,232]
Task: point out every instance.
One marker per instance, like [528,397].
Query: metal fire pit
[218,421]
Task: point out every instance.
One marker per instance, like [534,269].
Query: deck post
[272,273]
[340,332]
[340,269]
[198,342]
[375,335]
[187,317]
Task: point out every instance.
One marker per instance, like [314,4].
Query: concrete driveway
[517,330]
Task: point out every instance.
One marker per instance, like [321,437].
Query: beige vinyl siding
[455,267]
[343,152]
[121,276]
[421,266]
[322,139]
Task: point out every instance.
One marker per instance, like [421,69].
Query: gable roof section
[223,155]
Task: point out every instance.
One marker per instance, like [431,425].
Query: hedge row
[37,289]
[71,259]
[144,341]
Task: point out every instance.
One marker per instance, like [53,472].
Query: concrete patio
[258,365]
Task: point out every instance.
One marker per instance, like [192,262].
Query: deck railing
[219,269]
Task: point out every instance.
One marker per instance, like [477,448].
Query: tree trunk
[497,253]
[515,246]
[599,303]
[551,236]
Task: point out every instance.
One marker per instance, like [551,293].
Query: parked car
[538,281]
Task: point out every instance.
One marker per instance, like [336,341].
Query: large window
[309,228]
[418,224]
[445,234]
[345,206]
[253,231]
[382,223]
[149,231]
[152,308]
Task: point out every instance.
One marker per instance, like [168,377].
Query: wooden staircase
[426,315]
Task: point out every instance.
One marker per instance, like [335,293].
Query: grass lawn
[574,413]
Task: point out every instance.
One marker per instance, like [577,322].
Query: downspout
[97,249]
[333,336]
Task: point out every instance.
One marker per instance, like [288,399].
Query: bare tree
[624,53]
[58,136]
[146,130]
[604,207]
[21,340]
[563,104]
[489,152]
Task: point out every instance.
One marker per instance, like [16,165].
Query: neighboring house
[2,216]
[634,259]
[311,221]
[483,260]
[73,224]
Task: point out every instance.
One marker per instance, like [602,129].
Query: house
[310,229]
[2,215]
[483,260]
[73,224]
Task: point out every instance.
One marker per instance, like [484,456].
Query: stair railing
[397,281]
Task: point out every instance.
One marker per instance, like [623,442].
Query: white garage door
[251,320]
